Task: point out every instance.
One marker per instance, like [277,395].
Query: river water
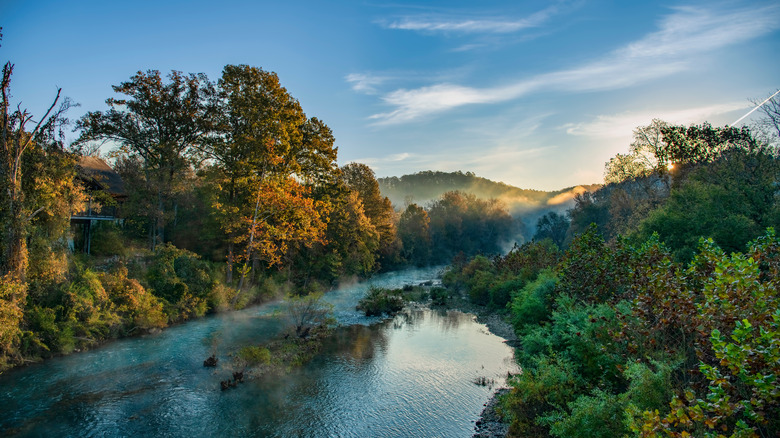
[412,375]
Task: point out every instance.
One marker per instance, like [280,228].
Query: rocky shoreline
[490,424]
[494,322]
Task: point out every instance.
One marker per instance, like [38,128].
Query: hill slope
[424,187]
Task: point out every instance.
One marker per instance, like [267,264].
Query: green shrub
[11,291]
[648,389]
[182,279]
[88,309]
[501,291]
[139,309]
[600,415]
[47,335]
[479,285]
[107,240]
[380,301]
[546,384]
[220,297]
[439,296]
[533,303]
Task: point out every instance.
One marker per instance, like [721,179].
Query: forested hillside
[424,187]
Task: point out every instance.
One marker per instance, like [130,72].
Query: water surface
[412,375]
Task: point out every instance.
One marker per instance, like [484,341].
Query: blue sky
[537,94]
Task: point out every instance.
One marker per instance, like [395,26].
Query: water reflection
[409,376]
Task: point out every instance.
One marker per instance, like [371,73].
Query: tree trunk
[251,241]
[255,268]
[231,245]
[16,245]
[229,274]
[15,140]
[15,240]
[159,218]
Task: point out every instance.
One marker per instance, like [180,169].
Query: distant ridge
[424,187]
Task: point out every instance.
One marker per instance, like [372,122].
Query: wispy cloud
[365,83]
[621,125]
[682,37]
[451,24]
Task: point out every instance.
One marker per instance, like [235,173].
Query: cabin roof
[94,170]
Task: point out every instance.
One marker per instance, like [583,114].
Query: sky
[536,94]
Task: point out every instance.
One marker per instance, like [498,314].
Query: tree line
[651,308]
[233,195]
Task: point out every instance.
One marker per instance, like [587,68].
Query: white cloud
[399,157]
[436,23]
[411,104]
[682,37]
[622,125]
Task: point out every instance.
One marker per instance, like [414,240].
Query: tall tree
[415,233]
[267,156]
[17,142]
[696,144]
[461,222]
[379,210]
[161,124]
[641,160]
[768,126]
[552,226]
[37,195]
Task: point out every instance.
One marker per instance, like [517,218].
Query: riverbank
[494,321]
[490,423]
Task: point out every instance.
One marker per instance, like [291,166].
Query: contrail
[757,107]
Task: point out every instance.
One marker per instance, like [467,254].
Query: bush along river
[423,372]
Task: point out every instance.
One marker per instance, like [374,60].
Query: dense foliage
[661,316]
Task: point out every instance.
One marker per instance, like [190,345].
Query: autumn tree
[379,210]
[267,158]
[352,238]
[352,241]
[39,191]
[37,196]
[162,125]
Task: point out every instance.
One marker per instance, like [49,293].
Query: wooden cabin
[106,193]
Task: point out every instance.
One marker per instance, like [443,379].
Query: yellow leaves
[282,212]
[12,293]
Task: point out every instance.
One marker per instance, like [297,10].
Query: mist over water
[412,375]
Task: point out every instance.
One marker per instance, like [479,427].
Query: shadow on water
[411,375]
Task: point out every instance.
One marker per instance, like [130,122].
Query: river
[412,375]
